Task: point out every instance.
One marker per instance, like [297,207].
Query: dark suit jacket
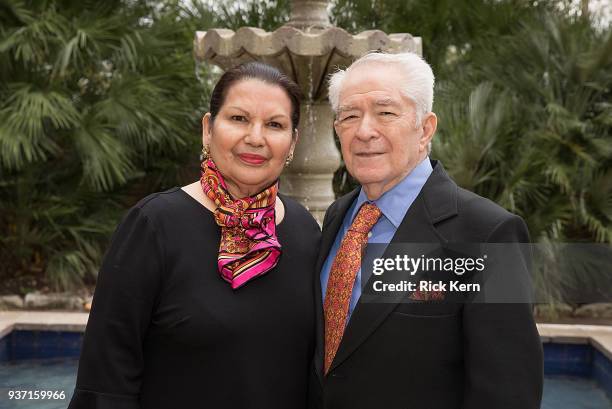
[428,355]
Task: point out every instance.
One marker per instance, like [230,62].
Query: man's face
[376,126]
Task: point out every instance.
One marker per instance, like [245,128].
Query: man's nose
[255,136]
[366,128]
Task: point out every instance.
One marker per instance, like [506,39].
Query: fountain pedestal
[307,49]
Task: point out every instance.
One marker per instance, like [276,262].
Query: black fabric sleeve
[111,362]
[503,352]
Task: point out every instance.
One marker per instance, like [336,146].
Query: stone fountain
[308,48]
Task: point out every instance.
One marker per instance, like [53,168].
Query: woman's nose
[255,135]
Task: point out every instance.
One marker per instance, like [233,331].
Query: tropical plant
[98,106]
[541,126]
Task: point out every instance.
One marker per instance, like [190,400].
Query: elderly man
[417,355]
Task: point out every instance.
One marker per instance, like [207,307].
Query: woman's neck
[195,191]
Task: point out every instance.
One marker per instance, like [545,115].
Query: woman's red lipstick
[252,159]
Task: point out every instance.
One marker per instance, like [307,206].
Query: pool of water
[560,392]
[55,375]
[577,376]
[565,392]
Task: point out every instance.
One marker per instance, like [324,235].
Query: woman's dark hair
[262,72]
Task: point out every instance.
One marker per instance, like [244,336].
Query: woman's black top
[166,331]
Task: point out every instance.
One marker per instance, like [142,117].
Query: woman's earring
[205,153]
[289,159]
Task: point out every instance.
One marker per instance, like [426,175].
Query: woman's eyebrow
[278,116]
[239,109]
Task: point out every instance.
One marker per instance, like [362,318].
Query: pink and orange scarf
[249,246]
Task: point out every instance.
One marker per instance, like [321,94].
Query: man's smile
[368,154]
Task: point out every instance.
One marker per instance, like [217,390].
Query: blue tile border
[24,344]
[5,348]
[568,359]
[602,372]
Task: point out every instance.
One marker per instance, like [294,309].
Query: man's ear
[206,129]
[429,124]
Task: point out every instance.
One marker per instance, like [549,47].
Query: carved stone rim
[256,41]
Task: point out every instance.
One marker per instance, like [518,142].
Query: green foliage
[99,105]
[539,117]
[448,27]
[267,15]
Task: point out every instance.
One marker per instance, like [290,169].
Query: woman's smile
[252,158]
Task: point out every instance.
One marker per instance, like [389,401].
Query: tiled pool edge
[42,321]
[595,336]
[52,323]
[598,336]
[575,350]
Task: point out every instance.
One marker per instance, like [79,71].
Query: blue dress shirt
[393,204]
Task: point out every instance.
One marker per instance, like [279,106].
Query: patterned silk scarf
[249,246]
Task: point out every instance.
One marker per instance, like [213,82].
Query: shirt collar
[395,202]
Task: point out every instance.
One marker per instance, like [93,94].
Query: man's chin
[367,177]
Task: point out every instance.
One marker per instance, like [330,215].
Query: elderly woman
[205,296]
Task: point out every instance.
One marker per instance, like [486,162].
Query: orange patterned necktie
[342,278]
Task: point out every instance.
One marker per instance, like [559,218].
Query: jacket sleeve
[111,362]
[502,348]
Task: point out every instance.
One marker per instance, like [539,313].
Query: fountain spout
[309,14]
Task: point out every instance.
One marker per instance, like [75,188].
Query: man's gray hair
[417,85]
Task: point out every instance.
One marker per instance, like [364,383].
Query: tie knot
[366,218]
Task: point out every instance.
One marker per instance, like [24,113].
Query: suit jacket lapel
[330,230]
[436,202]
